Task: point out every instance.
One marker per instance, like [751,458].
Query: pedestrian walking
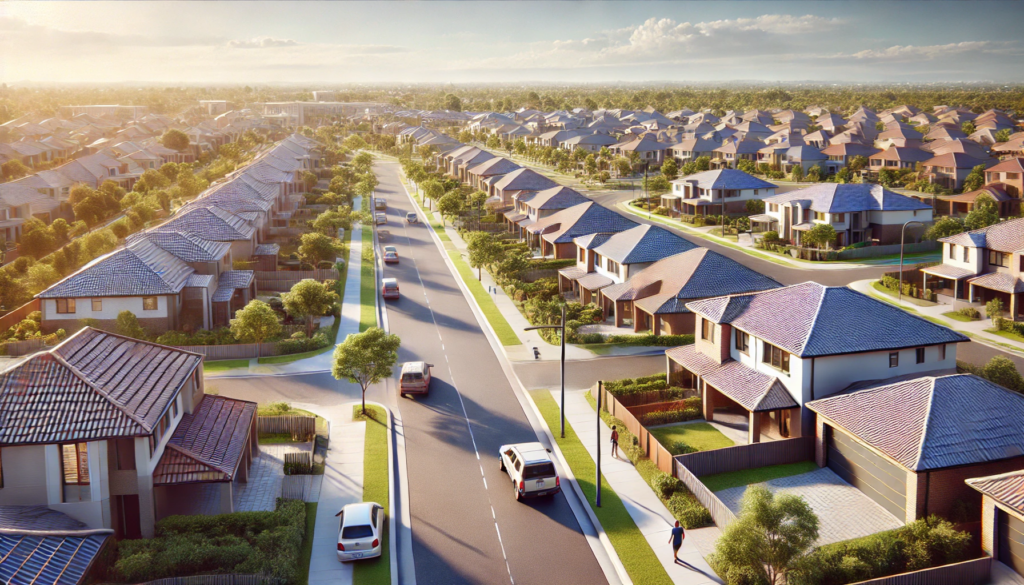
[615,443]
[676,538]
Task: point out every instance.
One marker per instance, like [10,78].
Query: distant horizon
[472,42]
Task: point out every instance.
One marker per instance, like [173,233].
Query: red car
[390,255]
[389,288]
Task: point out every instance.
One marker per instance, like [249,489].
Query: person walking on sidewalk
[615,443]
[676,538]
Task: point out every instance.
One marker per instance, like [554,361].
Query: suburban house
[118,433]
[723,191]
[518,181]
[841,155]
[1010,173]
[530,206]
[857,211]
[555,233]
[910,443]
[949,170]
[689,149]
[733,151]
[1002,523]
[592,143]
[608,258]
[647,147]
[765,355]
[654,298]
[897,158]
[493,167]
[981,265]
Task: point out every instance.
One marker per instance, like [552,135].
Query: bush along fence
[298,463]
[218,580]
[973,572]
[301,428]
[910,287]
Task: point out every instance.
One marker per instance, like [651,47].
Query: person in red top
[615,443]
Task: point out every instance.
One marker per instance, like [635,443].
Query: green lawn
[1006,334]
[307,544]
[722,481]
[506,335]
[958,317]
[375,489]
[275,438]
[636,555]
[222,365]
[700,436]
[367,284]
[920,303]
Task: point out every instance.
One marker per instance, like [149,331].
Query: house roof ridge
[927,419]
[110,400]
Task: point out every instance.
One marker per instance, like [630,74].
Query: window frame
[894,359]
[155,300]
[776,357]
[742,342]
[967,254]
[942,352]
[97,305]
[707,330]
[996,258]
[69,306]
[919,355]
[78,464]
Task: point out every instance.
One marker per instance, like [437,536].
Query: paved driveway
[844,512]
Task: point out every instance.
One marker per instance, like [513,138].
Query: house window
[174,407]
[952,248]
[894,359]
[581,254]
[757,191]
[65,305]
[967,254]
[998,259]
[742,342]
[919,355]
[776,357]
[942,352]
[97,305]
[148,303]
[612,266]
[707,330]
[75,463]
[773,207]
[838,217]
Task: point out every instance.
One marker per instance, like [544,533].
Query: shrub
[681,448]
[665,485]
[665,417]
[685,508]
[969,312]
[891,282]
[591,338]
[651,340]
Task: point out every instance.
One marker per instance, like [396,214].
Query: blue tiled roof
[593,219]
[849,198]
[726,179]
[643,243]
[48,559]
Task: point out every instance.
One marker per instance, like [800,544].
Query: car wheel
[401,394]
[501,464]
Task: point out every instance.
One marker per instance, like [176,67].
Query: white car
[411,217]
[360,528]
[530,467]
[380,218]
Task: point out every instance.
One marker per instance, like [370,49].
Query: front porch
[999,285]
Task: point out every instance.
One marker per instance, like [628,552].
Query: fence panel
[296,487]
[301,428]
[748,456]
[974,572]
[218,580]
[284,280]
[720,513]
[300,463]
[641,410]
[235,351]
[18,315]
[20,348]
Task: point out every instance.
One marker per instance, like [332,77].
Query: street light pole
[561,329]
[903,235]
[600,389]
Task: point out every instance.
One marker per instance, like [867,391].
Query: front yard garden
[690,437]
[722,481]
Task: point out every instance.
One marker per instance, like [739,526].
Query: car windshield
[364,531]
[412,376]
[539,470]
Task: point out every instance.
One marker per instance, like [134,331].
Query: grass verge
[275,438]
[700,436]
[632,548]
[723,481]
[1005,334]
[375,489]
[506,335]
[958,317]
[306,552]
[367,284]
[920,303]
[222,365]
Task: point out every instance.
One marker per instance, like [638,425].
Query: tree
[433,189]
[887,177]
[127,324]
[120,229]
[37,240]
[819,236]
[858,163]
[450,204]
[190,184]
[702,163]
[256,323]
[747,166]
[316,247]
[984,214]
[815,174]
[175,139]
[797,174]
[844,175]
[309,180]
[150,179]
[309,299]
[14,169]
[1002,371]
[670,169]
[968,127]
[945,227]
[754,206]
[994,309]
[329,221]
[512,266]
[768,538]
[1002,135]
[452,102]
[367,185]
[975,179]
[366,358]
[483,251]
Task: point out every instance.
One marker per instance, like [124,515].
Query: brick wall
[946,486]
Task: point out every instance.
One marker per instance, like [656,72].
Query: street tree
[329,221]
[984,214]
[770,535]
[994,309]
[175,139]
[483,251]
[820,236]
[450,204]
[945,227]
[309,299]
[14,169]
[256,323]
[316,247]
[366,358]
[670,168]
[433,189]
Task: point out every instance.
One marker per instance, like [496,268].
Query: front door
[126,520]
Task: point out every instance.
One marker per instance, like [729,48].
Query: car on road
[380,203]
[411,217]
[414,379]
[380,218]
[531,469]
[390,255]
[389,288]
[360,528]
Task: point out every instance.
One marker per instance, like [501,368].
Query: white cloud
[261,43]
[928,52]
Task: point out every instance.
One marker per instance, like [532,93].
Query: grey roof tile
[849,198]
[141,268]
[643,243]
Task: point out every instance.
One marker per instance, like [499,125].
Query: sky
[324,43]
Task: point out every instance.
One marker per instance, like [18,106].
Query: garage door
[1011,541]
[879,479]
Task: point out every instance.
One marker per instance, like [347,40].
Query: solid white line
[485,483]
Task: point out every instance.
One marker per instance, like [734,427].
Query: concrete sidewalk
[650,515]
[976,329]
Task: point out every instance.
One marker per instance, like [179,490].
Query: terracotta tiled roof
[751,389]
[207,445]
[141,268]
[1005,236]
[1000,281]
[230,281]
[1007,488]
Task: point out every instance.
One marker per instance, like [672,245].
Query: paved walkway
[265,477]
[976,329]
[844,512]
[651,516]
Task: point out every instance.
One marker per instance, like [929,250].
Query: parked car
[414,379]
[360,527]
[380,203]
[389,288]
[530,467]
[411,217]
[390,255]
[380,218]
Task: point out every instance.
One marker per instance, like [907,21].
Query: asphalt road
[466,526]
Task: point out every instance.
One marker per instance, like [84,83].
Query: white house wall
[24,476]
[112,306]
[974,263]
[900,217]
[834,373]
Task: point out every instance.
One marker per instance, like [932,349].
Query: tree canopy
[309,299]
[175,139]
[366,358]
[256,323]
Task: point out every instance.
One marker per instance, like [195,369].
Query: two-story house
[555,233]
[517,181]
[491,168]
[857,211]
[1009,172]
[118,433]
[951,169]
[609,258]
[733,150]
[530,206]
[767,354]
[722,191]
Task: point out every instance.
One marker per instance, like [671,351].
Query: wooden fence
[17,315]
[748,456]
[20,348]
[974,572]
[235,351]
[654,450]
[219,580]
[720,513]
[300,463]
[284,280]
[301,428]
[297,487]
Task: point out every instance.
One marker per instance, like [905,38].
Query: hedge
[265,543]
[647,340]
[636,385]
[692,411]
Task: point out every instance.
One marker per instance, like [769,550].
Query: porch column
[227,505]
[618,313]
[636,319]
[708,403]
[1013,306]
[754,428]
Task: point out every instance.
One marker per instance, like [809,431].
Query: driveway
[844,512]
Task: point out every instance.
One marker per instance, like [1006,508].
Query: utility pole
[600,390]
[903,236]
[561,329]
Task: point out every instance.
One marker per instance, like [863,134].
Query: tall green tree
[984,214]
[945,227]
[14,169]
[975,179]
[175,139]
[316,247]
[309,299]
[366,358]
[670,168]
[450,204]
[483,251]
[256,323]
